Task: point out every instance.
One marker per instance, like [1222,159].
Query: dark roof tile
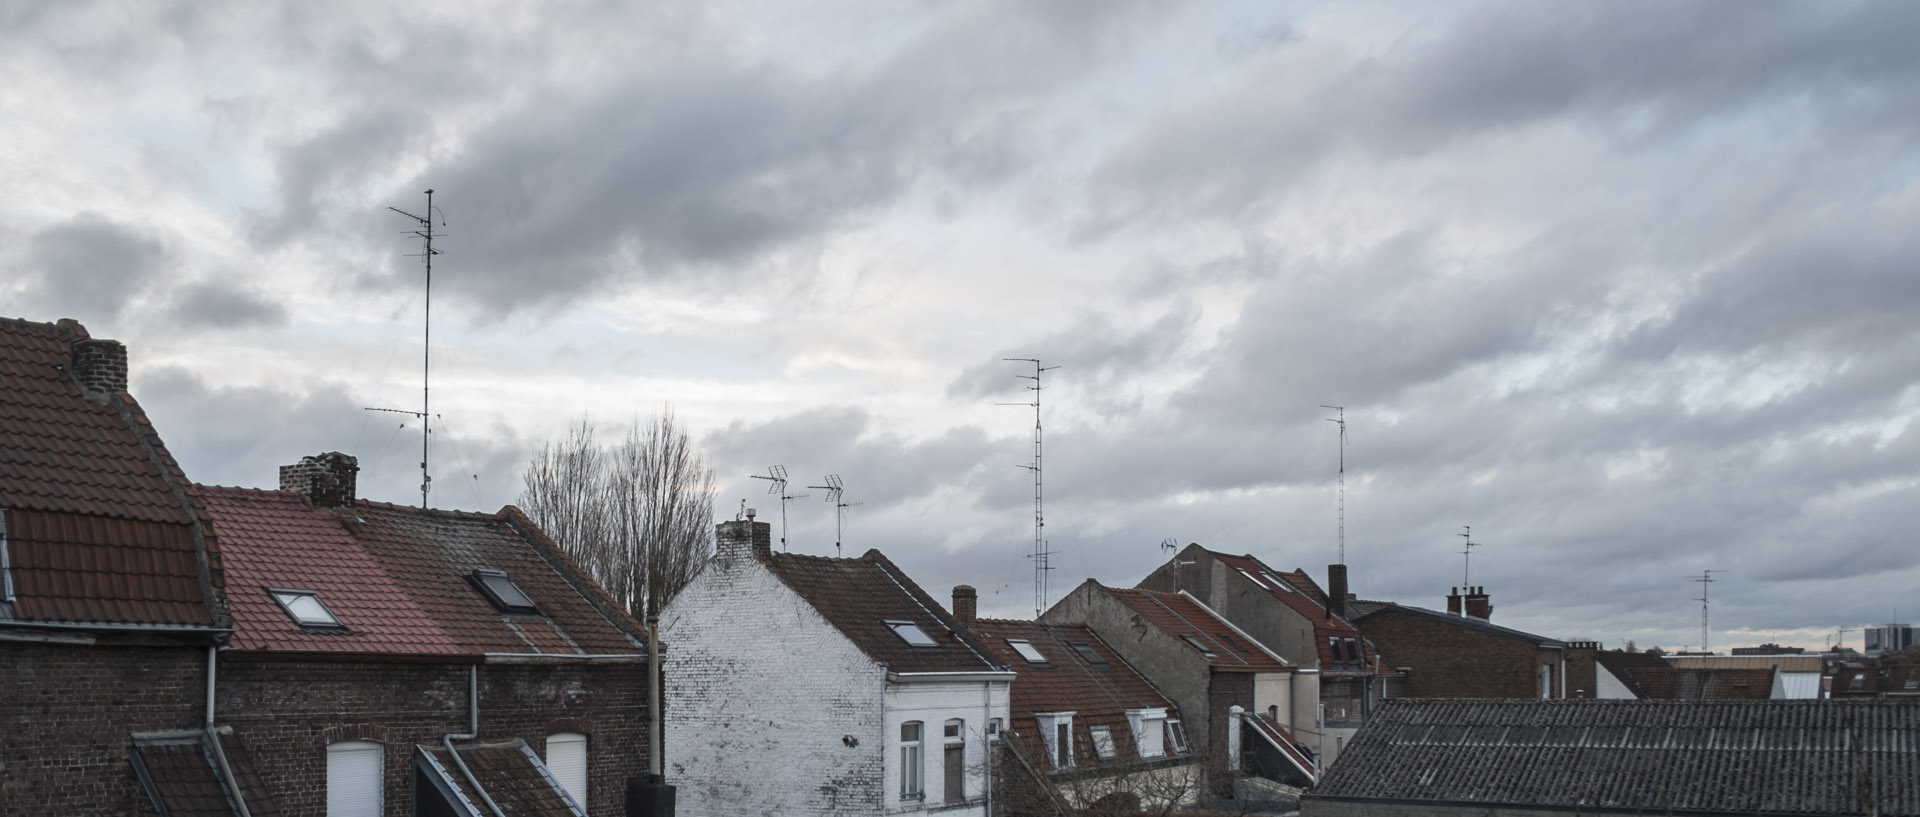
[859,595]
[1181,616]
[1099,694]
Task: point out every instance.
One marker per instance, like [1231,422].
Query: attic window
[1197,645]
[912,634]
[1027,651]
[1086,652]
[1228,640]
[503,592]
[306,609]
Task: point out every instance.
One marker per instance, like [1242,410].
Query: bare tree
[637,516]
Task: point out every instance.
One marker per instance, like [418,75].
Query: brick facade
[286,713]
[1451,660]
[69,715]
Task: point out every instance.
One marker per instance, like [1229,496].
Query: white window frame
[348,797]
[1177,736]
[953,735]
[1050,732]
[6,562]
[571,775]
[1149,727]
[913,766]
[1102,736]
[1032,654]
[915,635]
[1546,680]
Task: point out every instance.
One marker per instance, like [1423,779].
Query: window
[1087,653]
[954,760]
[993,729]
[6,563]
[1228,640]
[354,772]
[1177,736]
[503,592]
[1333,651]
[1197,645]
[911,787]
[1149,731]
[304,607]
[1353,653]
[1027,651]
[1546,681]
[567,759]
[912,634]
[1056,728]
[1102,741]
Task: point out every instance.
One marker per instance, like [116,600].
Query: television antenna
[1466,564]
[779,479]
[1169,545]
[1705,578]
[427,235]
[836,491]
[1041,565]
[1340,419]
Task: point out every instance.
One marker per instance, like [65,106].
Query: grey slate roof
[1745,757]
[1468,622]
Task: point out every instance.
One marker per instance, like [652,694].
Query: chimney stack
[1477,603]
[1337,590]
[966,603]
[745,538]
[1453,601]
[100,367]
[327,481]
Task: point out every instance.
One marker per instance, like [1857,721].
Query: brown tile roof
[275,539]
[430,554]
[1181,616]
[511,774]
[1468,622]
[180,775]
[100,523]
[1098,694]
[1701,684]
[859,595]
[1656,757]
[1298,592]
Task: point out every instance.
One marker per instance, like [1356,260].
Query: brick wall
[769,710]
[69,715]
[286,713]
[1225,690]
[1451,661]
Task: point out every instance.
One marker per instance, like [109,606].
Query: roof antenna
[1466,564]
[779,486]
[427,235]
[1341,420]
[1041,567]
[1705,578]
[835,491]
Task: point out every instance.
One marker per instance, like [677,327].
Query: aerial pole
[1041,566]
[1705,578]
[426,234]
[1340,419]
[1466,564]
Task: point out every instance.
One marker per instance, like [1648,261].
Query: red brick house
[1460,654]
[1083,722]
[405,660]
[110,578]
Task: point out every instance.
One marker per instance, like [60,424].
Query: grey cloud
[224,305]
[92,266]
[1098,358]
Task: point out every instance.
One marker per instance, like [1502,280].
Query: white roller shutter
[353,779]
[567,759]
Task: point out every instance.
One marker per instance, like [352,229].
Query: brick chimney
[1453,601]
[745,538]
[327,481]
[966,603]
[100,367]
[1477,603]
[1337,590]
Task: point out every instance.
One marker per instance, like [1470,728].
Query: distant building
[1478,757]
[1890,637]
[1460,654]
[1769,649]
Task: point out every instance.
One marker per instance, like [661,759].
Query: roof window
[503,592]
[1028,651]
[1087,652]
[912,634]
[306,609]
[1197,645]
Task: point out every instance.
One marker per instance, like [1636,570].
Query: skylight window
[305,608]
[1197,645]
[912,634]
[503,592]
[1028,651]
[1086,652]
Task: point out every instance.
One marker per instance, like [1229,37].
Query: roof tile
[859,595]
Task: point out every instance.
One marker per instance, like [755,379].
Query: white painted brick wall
[933,704]
[762,695]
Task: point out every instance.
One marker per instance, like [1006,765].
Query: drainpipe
[473,731]
[986,741]
[654,727]
[213,739]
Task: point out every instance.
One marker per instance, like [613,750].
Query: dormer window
[1028,651]
[503,592]
[306,609]
[912,634]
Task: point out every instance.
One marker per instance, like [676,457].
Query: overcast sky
[1630,288]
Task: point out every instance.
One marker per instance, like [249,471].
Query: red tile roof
[1097,694]
[100,522]
[275,539]
[859,595]
[178,772]
[1298,591]
[513,777]
[1182,616]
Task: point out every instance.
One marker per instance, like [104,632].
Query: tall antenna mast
[427,235]
[835,491]
[1705,578]
[1466,564]
[1340,419]
[779,486]
[1041,566]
